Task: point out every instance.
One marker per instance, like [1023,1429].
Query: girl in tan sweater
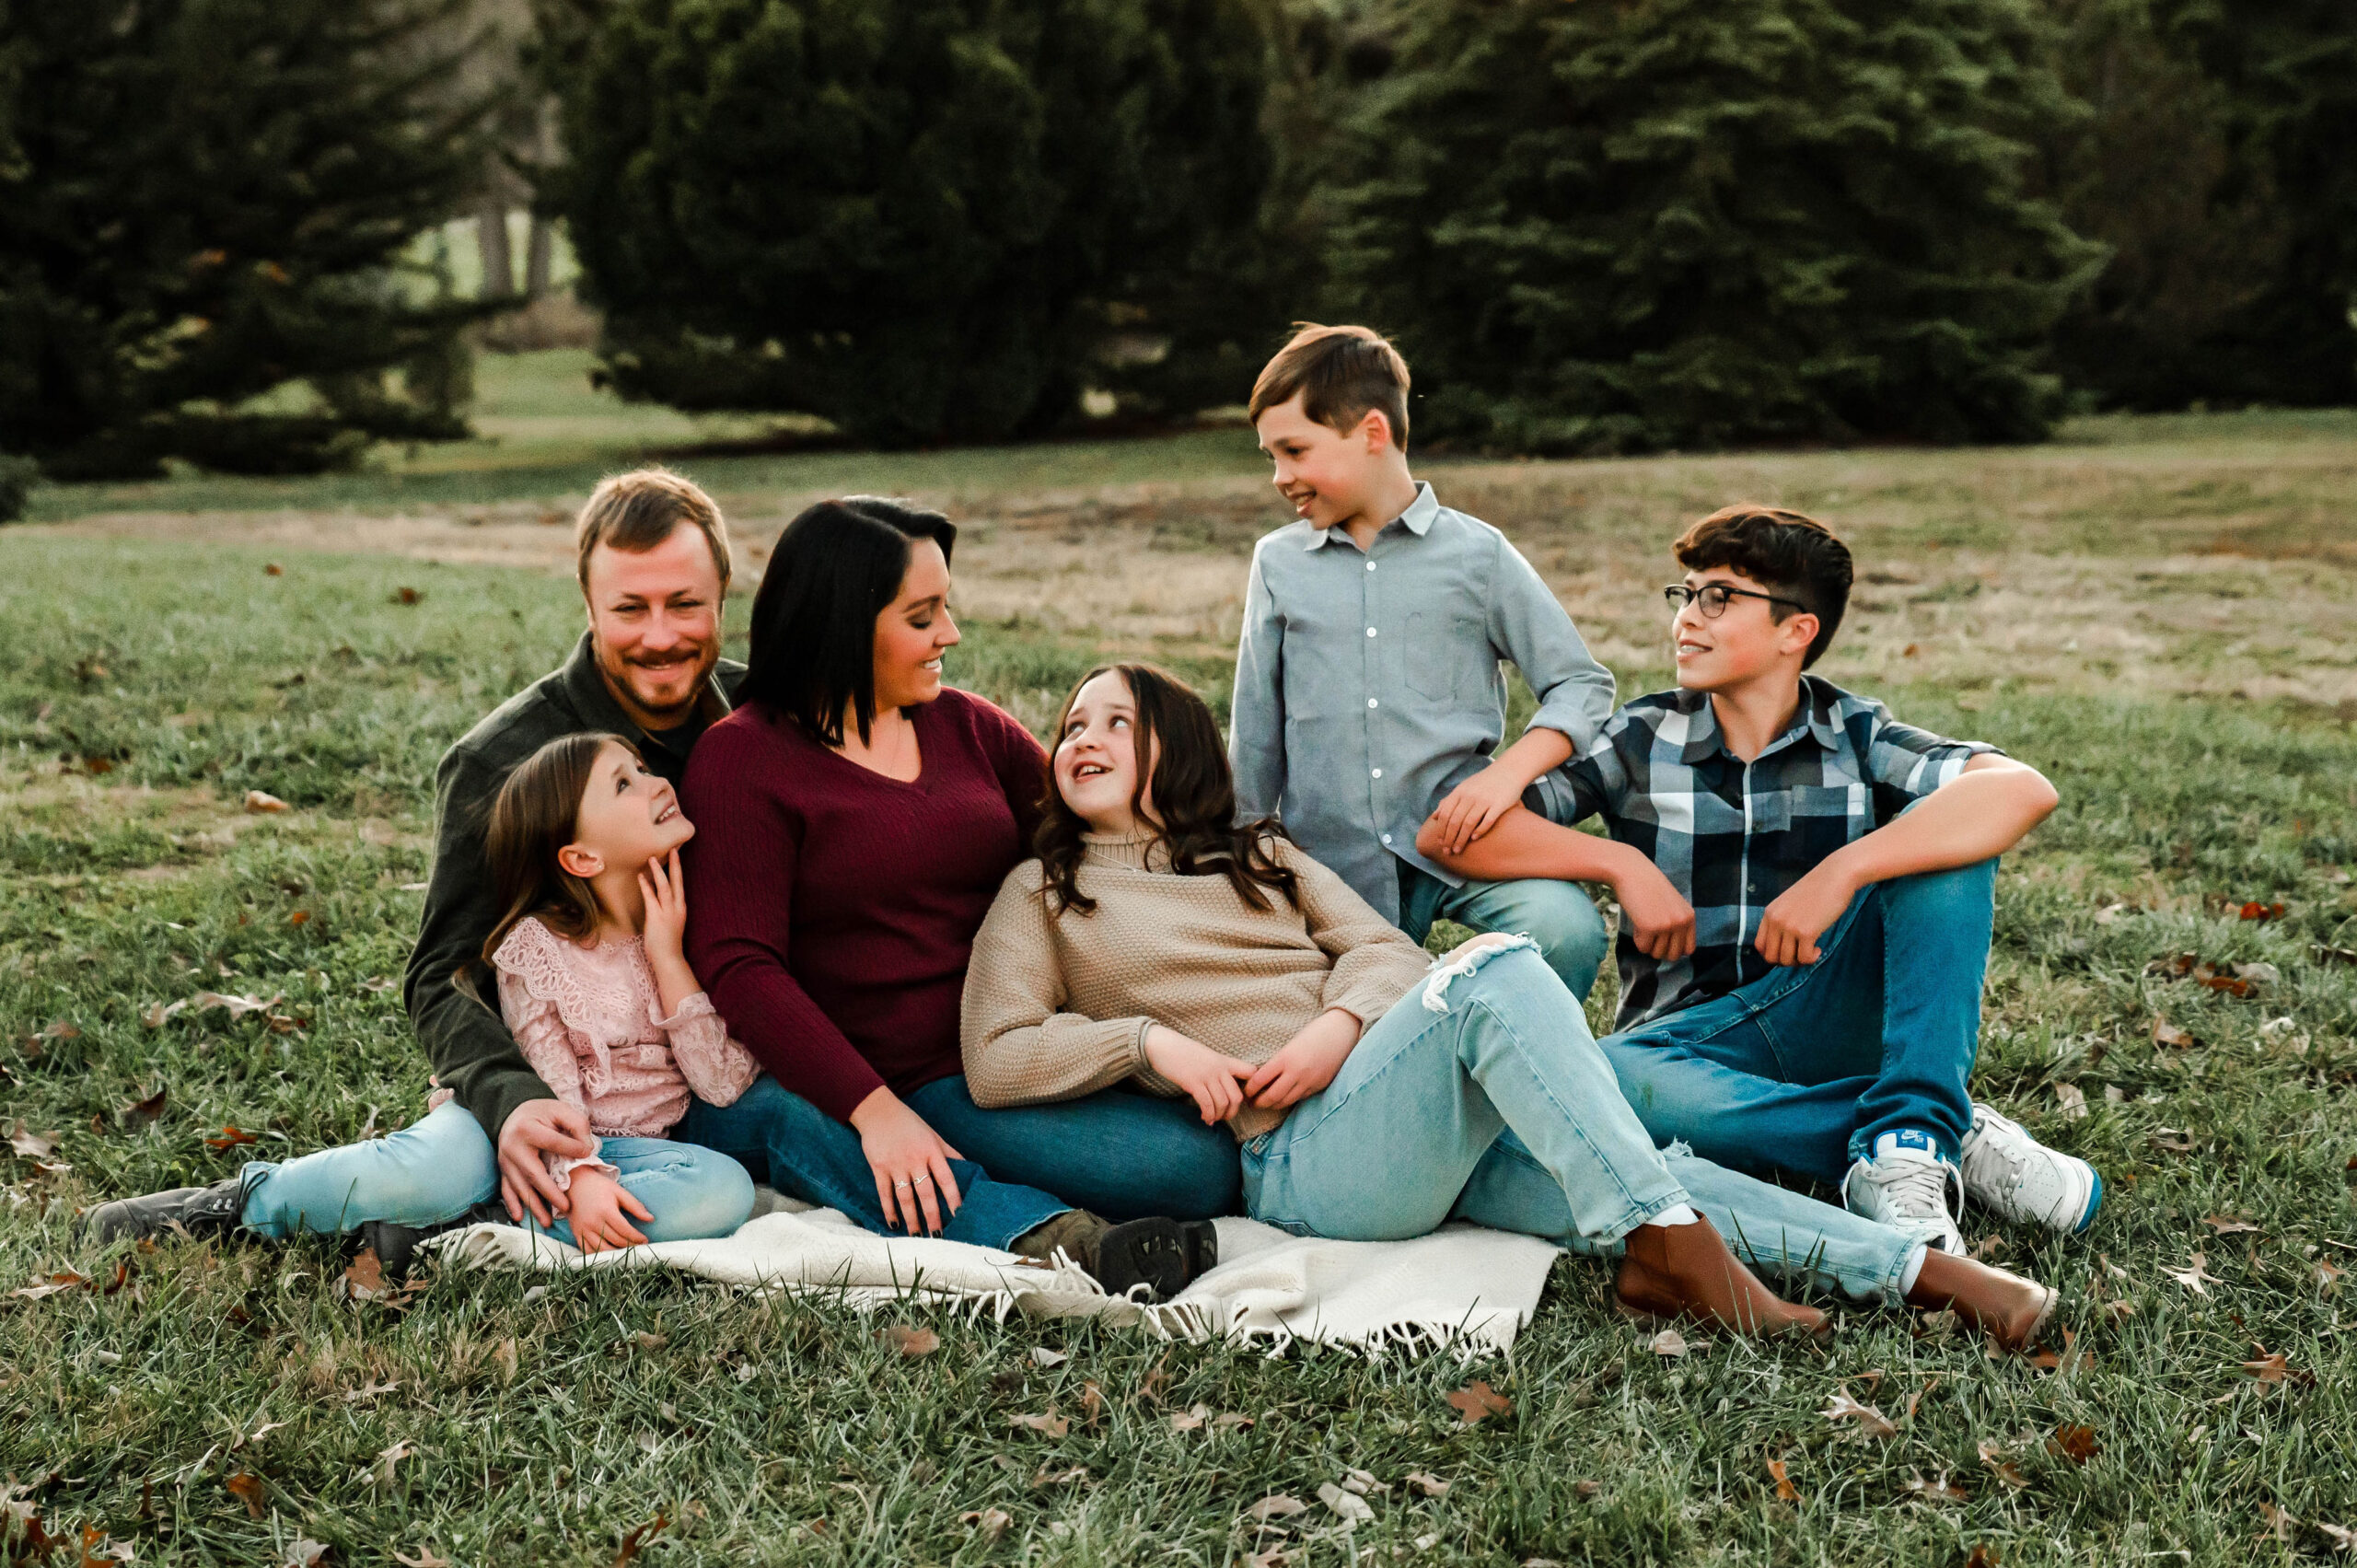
[1375,1095]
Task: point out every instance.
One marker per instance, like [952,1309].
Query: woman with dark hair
[857,816]
[1155,940]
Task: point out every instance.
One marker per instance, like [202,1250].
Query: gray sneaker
[2012,1173]
[199,1210]
[1908,1190]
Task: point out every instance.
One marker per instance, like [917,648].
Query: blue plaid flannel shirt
[1732,837]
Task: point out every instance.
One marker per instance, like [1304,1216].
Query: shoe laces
[1914,1188]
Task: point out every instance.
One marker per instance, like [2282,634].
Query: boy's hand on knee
[1789,927]
[1660,920]
[1474,807]
[599,1205]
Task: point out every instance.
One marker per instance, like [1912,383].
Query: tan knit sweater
[1057,1005]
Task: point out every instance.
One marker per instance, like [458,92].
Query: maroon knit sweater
[831,909]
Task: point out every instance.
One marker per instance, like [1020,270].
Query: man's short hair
[635,512]
[1343,373]
[1784,553]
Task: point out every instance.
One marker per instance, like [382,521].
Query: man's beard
[630,674]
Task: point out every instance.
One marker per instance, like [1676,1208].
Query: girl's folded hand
[1215,1081]
[599,1201]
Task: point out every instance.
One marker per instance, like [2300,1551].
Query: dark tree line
[1595,227]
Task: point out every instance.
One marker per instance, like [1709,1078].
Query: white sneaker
[1908,1189]
[2012,1173]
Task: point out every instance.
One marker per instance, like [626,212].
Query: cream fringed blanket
[1461,1285]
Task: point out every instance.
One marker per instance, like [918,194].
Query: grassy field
[2155,613]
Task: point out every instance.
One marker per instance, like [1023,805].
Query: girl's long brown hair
[1194,797]
[536,814]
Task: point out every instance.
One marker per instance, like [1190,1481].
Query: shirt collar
[1815,719]
[1418,518]
[585,689]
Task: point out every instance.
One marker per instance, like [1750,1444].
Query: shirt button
[1370,565]
[1376,771]
[1386,838]
[1370,631]
[1370,701]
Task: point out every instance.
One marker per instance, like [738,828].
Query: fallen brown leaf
[1871,1422]
[145,1112]
[406,596]
[2076,1443]
[1048,1426]
[364,1279]
[230,1138]
[1050,1476]
[32,1145]
[1993,1453]
[2168,1034]
[2327,1274]
[2254,909]
[1785,1491]
[424,1559]
[2281,1525]
[2072,1101]
[1276,1505]
[1192,1419]
[991,1523]
[262,801]
[55,1285]
[912,1342]
[2194,1278]
[1429,1485]
[2229,1224]
[1936,1490]
[304,1553]
[370,1391]
[1477,1401]
[2062,1360]
[1349,1507]
[248,1486]
[2343,1540]
[1982,1555]
[1669,1343]
[636,1538]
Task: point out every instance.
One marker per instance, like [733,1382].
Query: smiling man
[654,565]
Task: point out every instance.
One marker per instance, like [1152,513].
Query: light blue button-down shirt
[1368,685]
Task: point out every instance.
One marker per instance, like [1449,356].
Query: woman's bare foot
[2006,1306]
[1686,1271]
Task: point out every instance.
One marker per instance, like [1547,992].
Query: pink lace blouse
[590,1022]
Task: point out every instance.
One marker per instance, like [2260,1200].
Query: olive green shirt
[473,1052]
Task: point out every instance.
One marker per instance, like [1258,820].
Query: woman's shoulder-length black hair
[834,570]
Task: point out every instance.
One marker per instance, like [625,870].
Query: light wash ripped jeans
[1482,1096]
[439,1166]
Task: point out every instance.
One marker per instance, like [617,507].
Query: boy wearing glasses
[1807,889]
[1367,688]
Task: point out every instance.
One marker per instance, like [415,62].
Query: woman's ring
[924,1177]
[900,1184]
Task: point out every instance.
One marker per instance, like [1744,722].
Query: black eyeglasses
[1714,597]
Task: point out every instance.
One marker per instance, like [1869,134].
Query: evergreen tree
[203,206]
[921,219]
[2289,68]
[1610,228]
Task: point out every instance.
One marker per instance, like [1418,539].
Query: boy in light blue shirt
[1369,689]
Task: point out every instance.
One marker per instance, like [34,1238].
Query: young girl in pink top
[584,843]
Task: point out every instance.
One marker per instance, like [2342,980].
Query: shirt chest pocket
[1817,819]
[1442,651]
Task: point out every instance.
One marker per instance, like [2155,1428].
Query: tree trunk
[539,254]
[491,239]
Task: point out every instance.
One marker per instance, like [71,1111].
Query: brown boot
[1686,1271]
[2007,1307]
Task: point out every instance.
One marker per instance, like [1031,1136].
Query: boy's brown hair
[636,511]
[1342,375]
[1785,552]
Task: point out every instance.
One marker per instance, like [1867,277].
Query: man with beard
[654,565]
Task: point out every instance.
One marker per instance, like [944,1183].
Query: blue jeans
[1804,1067]
[441,1165]
[1558,917]
[1501,1110]
[1119,1153]
[807,1154]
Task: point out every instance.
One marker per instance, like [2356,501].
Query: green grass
[544,1425]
